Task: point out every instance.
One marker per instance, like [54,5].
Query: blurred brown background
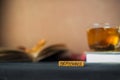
[25,22]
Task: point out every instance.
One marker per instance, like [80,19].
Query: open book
[50,53]
[39,53]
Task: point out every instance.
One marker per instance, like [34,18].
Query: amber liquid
[103,39]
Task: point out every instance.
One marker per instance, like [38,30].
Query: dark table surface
[51,71]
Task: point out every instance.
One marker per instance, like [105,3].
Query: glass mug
[104,38]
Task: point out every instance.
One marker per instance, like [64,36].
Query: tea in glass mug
[103,38]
